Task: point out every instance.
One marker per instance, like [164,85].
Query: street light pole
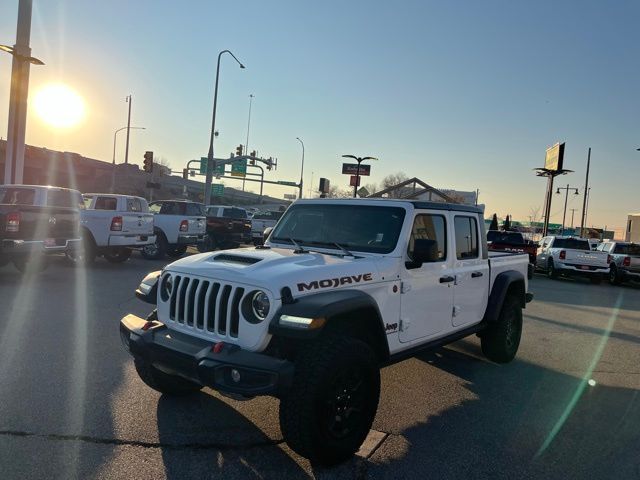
[566,197]
[359,160]
[302,168]
[246,144]
[126,152]
[113,160]
[210,166]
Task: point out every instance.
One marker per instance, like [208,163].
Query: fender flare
[503,282]
[333,306]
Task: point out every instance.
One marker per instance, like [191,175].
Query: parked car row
[37,221]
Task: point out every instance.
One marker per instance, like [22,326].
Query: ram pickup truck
[111,226]
[36,221]
[227,227]
[514,242]
[177,224]
[571,256]
[260,222]
[340,289]
[624,261]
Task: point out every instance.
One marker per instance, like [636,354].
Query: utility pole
[583,217]
[126,152]
[573,211]
[17,122]
[246,144]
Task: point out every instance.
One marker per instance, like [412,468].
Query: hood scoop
[228,258]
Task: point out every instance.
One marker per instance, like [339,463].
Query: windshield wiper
[299,248]
[346,252]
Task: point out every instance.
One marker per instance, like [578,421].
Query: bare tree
[336,192]
[534,214]
[393,179]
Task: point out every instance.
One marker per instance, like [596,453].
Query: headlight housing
[260,305]
[166,287]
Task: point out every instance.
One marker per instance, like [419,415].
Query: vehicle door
[543,252]
[471,270]
[427,290]
[135,219]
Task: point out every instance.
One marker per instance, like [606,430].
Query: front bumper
[131,240]
[191,239]
[45,247]
[176,353]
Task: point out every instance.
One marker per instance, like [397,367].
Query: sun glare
[59,106]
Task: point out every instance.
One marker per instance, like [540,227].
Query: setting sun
[59,106]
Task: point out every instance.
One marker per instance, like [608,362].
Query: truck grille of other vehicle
[206,306]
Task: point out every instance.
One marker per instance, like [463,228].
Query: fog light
[235,375]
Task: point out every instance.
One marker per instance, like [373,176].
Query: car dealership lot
[71,404]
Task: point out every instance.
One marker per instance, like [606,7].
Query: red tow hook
[217,347]
[147,325]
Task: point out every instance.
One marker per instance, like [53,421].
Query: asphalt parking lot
[72,406]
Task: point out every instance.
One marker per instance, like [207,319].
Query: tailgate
[197,225]
[586,257]
[239,225]
[137,223]
[39,223]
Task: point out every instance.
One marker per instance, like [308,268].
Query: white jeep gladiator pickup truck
[177,225]
[340,289]
[111,225]
[571,256]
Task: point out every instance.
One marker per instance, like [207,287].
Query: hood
[275,268]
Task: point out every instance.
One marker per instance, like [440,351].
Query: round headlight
[260,305]
[166,287]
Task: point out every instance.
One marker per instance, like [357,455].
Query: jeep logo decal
[334,282]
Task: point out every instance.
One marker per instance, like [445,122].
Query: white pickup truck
[177,225]
[571,256]
[111,225]
[340,289]
[260,222]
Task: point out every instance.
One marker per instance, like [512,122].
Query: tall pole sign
[553,166]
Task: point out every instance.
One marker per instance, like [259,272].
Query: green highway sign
[239,168]
[218,171]
[217,190]
[285,182]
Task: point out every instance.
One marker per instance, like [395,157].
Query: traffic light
[270,164]
[148,162]
[185,173]
[239,151]
[254,154]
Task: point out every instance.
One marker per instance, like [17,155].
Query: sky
[462,94]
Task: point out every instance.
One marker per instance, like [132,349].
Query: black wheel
[156,250]
[117,255]
[596,279]
[29,265]
[329,410]
[501,340]
[175,252]
[163,382]
[614,276]
[551,270]
[208,245]
[85,255]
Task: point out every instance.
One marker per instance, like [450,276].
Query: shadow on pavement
[203,437]
[514,428]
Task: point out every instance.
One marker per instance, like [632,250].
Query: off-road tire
[614,276]
[87,253]
[117,255]
[551,270]
[157,253]
[311,408]
[163,382]
[500,341]
[176,252]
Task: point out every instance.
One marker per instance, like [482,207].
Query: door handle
[447,279]
[476,274]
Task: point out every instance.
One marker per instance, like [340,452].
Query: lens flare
[59,106]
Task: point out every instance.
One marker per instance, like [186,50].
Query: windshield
[627,249]
[505,237]
[356,227]
[571,244]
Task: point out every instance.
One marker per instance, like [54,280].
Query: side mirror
[424,251]
[266,233]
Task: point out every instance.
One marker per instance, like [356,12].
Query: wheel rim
[612,275]
[151,249]
[344,402]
